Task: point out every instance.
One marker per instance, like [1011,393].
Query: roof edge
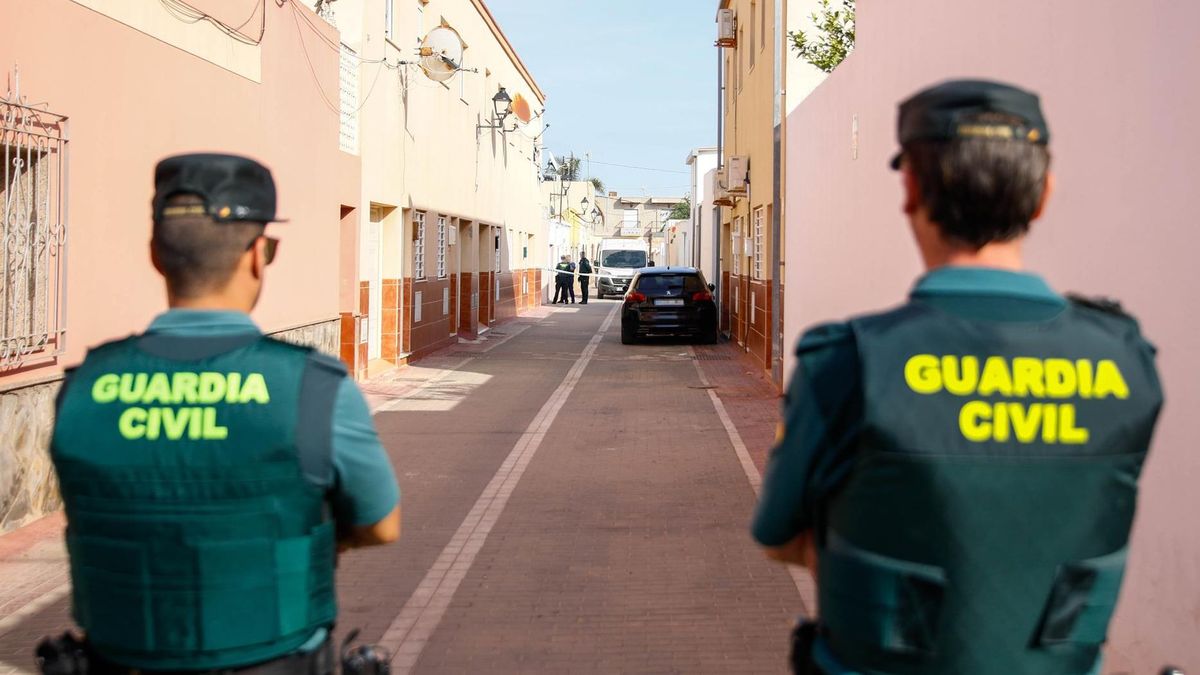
[509,49]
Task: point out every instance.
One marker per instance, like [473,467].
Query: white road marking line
[800,576]
[412,628]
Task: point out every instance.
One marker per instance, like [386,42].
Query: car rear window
[654,284]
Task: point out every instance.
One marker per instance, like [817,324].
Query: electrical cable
[335,46]
[642,168]
[185,13]
[335,107]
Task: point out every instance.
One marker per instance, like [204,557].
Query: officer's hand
[800,551]
[385,531]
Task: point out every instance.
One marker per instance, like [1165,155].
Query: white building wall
[703,163]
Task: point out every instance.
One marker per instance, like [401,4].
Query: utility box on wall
[738,175]
[726,28]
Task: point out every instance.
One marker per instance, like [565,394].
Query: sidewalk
[747,394]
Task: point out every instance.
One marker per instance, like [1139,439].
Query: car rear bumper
[671,321]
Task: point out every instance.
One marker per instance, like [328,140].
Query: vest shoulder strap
[824,335]
[1109,312]
[1103,304]
[319,389]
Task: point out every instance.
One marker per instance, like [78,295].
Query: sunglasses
[272,247]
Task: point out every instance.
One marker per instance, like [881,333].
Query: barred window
[758,243]
[419,245]
[33,229]
[441,250]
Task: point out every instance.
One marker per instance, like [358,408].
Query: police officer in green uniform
[960,473]
[210,473]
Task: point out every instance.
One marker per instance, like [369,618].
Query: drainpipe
[716,224]
[777,197]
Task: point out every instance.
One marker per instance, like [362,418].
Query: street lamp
[502,106]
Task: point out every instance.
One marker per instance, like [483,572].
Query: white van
[616,262]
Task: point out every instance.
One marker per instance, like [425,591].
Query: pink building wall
[133,99]
[1118,85]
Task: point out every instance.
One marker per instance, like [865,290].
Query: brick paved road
[570,505]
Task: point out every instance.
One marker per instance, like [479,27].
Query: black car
[669,301]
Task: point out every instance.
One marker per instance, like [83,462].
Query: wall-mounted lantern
[502,106]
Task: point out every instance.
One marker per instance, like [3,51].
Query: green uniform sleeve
[820,419]
[365,489]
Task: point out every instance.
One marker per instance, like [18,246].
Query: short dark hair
[198,255]
[980,190]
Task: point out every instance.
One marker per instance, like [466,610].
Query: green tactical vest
[983,525]
[194,472]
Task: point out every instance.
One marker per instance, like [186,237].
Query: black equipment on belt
[364,659]
[63,655]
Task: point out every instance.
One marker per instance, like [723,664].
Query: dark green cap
[233,188]
[943,112]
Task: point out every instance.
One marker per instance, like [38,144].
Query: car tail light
[700,296]
[634,296]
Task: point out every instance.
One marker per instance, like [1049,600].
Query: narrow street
[570,504]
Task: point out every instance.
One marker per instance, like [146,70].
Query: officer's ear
[1047,189]
[912,190]
[258,259]
[154,260]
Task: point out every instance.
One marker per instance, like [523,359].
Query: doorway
[468,282]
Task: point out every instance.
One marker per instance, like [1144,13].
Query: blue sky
[630,81]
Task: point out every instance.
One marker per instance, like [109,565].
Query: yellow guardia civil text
[177,405]
[1056,379]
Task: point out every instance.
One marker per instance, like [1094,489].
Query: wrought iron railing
[33,231]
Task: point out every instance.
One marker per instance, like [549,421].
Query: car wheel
[628,333]
[599,294]
[709,336]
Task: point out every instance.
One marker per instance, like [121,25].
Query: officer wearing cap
[210,473]
[960,473]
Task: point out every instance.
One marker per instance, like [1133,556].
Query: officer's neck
[1004,255]
[938,251]
[214,302]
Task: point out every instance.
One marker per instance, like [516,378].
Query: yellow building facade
[751,76]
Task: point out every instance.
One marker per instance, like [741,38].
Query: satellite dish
[521,109]
[441,53]
[530,124]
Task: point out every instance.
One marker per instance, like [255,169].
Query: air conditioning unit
[726,28]
[738,175]
[720,194]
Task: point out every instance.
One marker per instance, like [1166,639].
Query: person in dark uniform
[569,281]
[585,276]
[562,280]
[960,473]
[210,474]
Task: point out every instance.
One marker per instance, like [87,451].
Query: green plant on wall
[682,210]
[831,41]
